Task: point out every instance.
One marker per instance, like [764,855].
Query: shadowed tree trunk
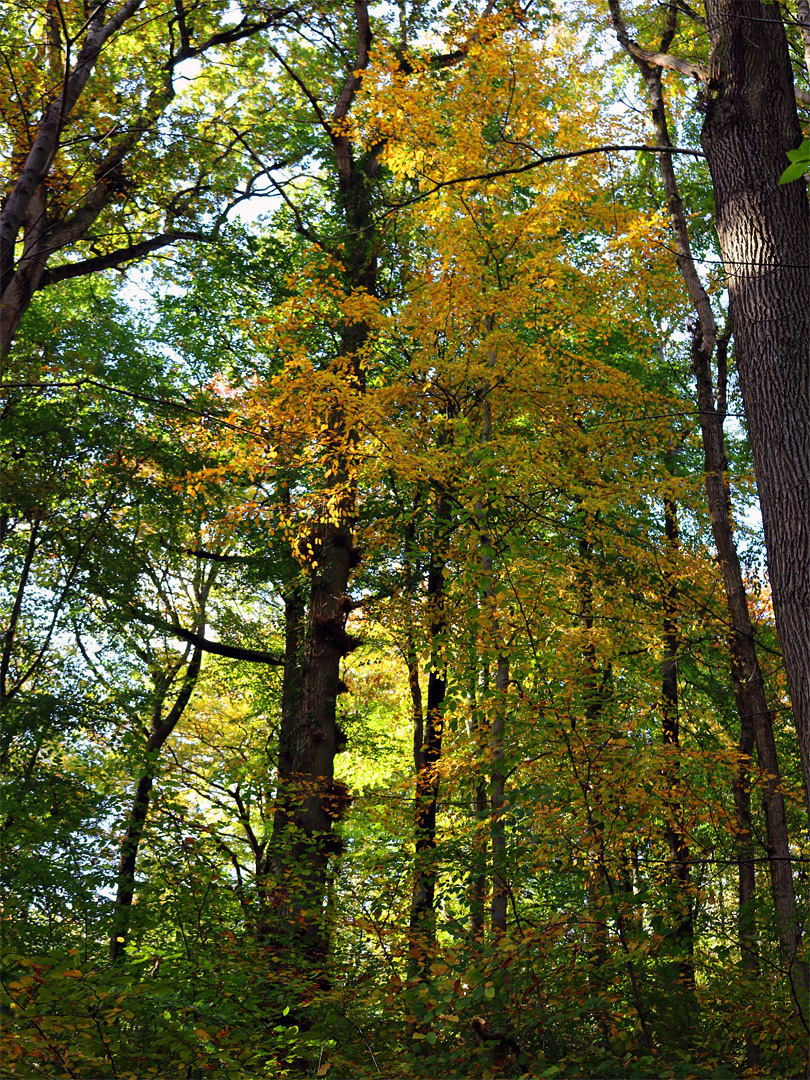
[677,840]
[479,848]
[422,918]
[493,642]
[159,731]
[309,799]
[500,886]
[750,124]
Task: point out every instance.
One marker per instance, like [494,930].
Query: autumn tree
[97,137]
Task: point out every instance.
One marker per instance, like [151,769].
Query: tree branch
[243,30]
[546,160]
[43,150]
[216,648]
[676,63]
[152,399]
[114,259]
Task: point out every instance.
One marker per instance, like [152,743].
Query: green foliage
[800,163]
[509,436]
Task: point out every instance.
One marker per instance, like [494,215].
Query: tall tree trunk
[309,799]
[494,634]
[422,919]
[500,886]
[159,732]
[766,266]
[764,232]
[746,675]
[676,838]
[274,865]
[746,873]
[479,804]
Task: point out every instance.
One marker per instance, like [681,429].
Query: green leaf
[800,157]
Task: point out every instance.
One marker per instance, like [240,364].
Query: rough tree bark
[750,123]
[756,718]
[309,799]
[764,233]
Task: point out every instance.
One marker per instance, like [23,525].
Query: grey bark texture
[764,233]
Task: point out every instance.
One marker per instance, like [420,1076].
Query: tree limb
[217,648]
[114,259]
[546,160]
[41,155]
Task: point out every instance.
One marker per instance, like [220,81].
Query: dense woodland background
[389,674]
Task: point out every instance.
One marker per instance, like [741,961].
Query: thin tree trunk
[275,861]
[410,576]
[422,919]
[11,629]
[676,838]
[803,19]
[746,873]
[593,699]
[746,674]
[500,887]
[159,732]
[479,804]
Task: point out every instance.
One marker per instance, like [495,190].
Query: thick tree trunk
[309,799]
[764,233]
[754,268]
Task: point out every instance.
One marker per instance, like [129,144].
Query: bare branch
[243,30]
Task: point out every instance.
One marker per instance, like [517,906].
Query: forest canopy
[405,539]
